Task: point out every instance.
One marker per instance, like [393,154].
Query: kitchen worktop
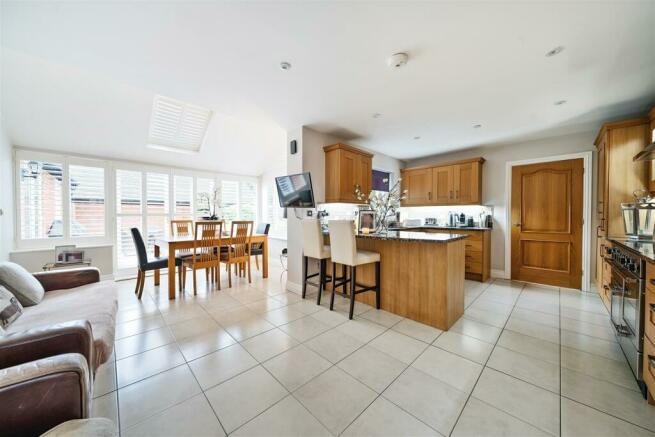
[414,236]
[463,228]
[645,248]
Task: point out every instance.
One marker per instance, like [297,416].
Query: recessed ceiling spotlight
[376,115]
[557,50]
[285,65]
[417,138]
[477,126]
[560,102]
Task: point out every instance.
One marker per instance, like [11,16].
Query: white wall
[311,158]
[6,177]
[493,177]
[33,260]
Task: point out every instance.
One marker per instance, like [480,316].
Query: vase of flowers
[384,205]
[213,204]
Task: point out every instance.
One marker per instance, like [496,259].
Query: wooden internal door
[547,223]
[442,179]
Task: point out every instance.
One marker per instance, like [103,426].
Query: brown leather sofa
[49,356]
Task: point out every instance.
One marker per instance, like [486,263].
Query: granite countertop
[645,248]
[414,236]
[464,228]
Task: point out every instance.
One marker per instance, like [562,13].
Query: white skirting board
[497,273]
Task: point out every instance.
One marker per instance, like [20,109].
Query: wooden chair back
[207,242]
[182,228]
[240,237]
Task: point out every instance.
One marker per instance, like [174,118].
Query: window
[128,215]
[177,126]
[230,199]
[272,211]
[87,201]
[247,200]
[205,197]
[381,180]
[41,199]
[183,195]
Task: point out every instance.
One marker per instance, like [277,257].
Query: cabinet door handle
[456,194]
[652,308]
[429,195]
[451,194]
[651,361]
[652,281]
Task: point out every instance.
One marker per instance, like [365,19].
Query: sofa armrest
[65,279]
[47,341]
[39,395]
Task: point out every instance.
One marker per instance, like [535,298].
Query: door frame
[587,177]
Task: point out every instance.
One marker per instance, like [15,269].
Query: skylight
[177,126]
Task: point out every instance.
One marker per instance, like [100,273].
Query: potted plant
[384,204]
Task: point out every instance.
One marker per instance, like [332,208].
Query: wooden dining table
[175,243]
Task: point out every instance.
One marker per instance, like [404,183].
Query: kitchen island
[421,275]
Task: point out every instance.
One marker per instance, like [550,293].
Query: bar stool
[344,251]
[313,247]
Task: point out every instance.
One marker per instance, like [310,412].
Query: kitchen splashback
[441,212]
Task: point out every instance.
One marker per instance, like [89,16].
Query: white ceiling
[81,76]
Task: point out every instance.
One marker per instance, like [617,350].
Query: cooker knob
[632,266]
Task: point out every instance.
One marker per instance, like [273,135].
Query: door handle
[518,225]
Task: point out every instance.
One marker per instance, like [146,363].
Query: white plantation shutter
[247,201]
[204,187]
[41,199]
[273,214]
[157,193]
[128,192]
[87,201]
[128,207]
[183,197]
[178,125]
[230,199]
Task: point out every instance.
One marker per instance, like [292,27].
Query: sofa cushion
[93,302]
[27,289]
[10,308]
[96,427]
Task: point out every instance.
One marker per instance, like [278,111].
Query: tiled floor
[256,360]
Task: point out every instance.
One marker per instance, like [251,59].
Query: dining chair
[206,250]
[238,251]
[145,265]
[257,249]
[181,227]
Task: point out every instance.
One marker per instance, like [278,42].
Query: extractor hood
[648,154]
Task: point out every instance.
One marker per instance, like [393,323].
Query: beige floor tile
[547,319]
[221,365]
[335,398]
[306,306]
[288,298]
[481,419]
[193,417]
[536,330]
[528,369]
[585,316]
[381,317]
[205,343]
[264,305]
[612,399]
[143,342]
[175,315]
[433,402]
[477,329]
[138,326]
[268,344]
[593,345]
[361,330]
[282,316]
[464,346]
[234,401]
[230,316]
[532,404]
[330,318]
[383,418]
[477,313]
[417,330]
[580,420]
[286,418]
[305,328]
[399,346]
[297,366]
[193,327]
[374,368]
[137,367]
[530,346]
[599,367]
[334,345]
[146,398]
[590,329]
[247,328]
[449,368]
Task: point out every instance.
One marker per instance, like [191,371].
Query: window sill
[52,248]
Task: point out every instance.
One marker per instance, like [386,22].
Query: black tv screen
[295,191]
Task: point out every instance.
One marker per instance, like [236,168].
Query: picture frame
[60,252]
[366,221]
[74,256]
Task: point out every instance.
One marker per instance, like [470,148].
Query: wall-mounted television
[295,191]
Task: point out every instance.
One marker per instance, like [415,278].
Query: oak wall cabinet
[452,183]
[345,168]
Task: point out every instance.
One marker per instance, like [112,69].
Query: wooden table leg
[265,258]
[157,274]
[171,272]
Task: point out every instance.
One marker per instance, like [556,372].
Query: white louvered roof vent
[177,126]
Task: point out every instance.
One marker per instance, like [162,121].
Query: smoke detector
[397,60]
